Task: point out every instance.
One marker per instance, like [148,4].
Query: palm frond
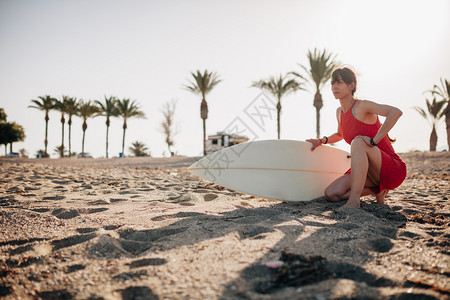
[128,109]
[44,103]
[434,112]
[421,111]
[108,108]
[279,86]
[321,65]
[203,83]
[87,110]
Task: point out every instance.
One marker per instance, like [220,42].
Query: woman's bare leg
[339,189]
[365,160]
[380,196]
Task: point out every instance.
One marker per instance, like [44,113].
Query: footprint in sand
[130,275]
[96,210]
[147,262]
[41,210]
[71,241]
[187,199]
[98,202]
[137,292]
[112,227]
[56,294]
[210,197]
[65,214]
[54,198]
[114,200]
[21,249]
[86,230]
[74,268]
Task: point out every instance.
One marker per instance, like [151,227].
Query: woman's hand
[366,140]
[315,143]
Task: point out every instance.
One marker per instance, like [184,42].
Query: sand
[145,228]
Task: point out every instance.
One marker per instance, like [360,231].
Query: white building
[222,140]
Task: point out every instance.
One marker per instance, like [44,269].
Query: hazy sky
[145,51]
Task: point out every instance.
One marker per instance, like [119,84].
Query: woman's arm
[334,138]
[391,113]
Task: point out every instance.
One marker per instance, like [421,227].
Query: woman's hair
[346,74]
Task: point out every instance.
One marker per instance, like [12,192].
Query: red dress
[393,169]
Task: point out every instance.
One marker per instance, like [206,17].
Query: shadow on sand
[341,243]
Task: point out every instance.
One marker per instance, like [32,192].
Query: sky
[146,51]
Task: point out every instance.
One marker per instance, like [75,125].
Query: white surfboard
[275,169]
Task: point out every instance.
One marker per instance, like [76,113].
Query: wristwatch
[373,143]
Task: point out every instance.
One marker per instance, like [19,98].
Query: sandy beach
[145,228]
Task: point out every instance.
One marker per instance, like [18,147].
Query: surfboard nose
[198,164]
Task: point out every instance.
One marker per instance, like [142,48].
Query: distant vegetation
[437,110]
[111,107]
[10,132]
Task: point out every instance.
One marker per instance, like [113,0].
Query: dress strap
[353,109]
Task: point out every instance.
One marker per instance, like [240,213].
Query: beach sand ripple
[144,228]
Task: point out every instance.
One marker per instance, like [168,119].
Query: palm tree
[128,110]
[108,109]
[60,150]
[46,103]
[321,65]
[86,110]
[138,149]
[443,91]
[204,83]
[71,109]
[279,87]
[61,105]
[433,114]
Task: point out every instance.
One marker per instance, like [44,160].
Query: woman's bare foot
[351,204]
[380,196]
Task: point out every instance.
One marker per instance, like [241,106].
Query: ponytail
[391,139]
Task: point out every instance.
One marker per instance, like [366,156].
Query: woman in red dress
[375,167]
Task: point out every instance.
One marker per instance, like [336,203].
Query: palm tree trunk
[447,123]
[318,104]
[46,133]
[84,133]
[204,136]
[433,139]
[123,141]
[63,121]
[318,122]
[107,134]
[82,143]
[70,137]
[204,116]
[278,117]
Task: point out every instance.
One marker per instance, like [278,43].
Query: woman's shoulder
[364,104]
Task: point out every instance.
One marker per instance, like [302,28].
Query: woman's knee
[332,194]
[358,144]
[337,190]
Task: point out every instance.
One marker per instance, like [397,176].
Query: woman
[375,167]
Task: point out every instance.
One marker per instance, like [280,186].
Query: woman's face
[341,89]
